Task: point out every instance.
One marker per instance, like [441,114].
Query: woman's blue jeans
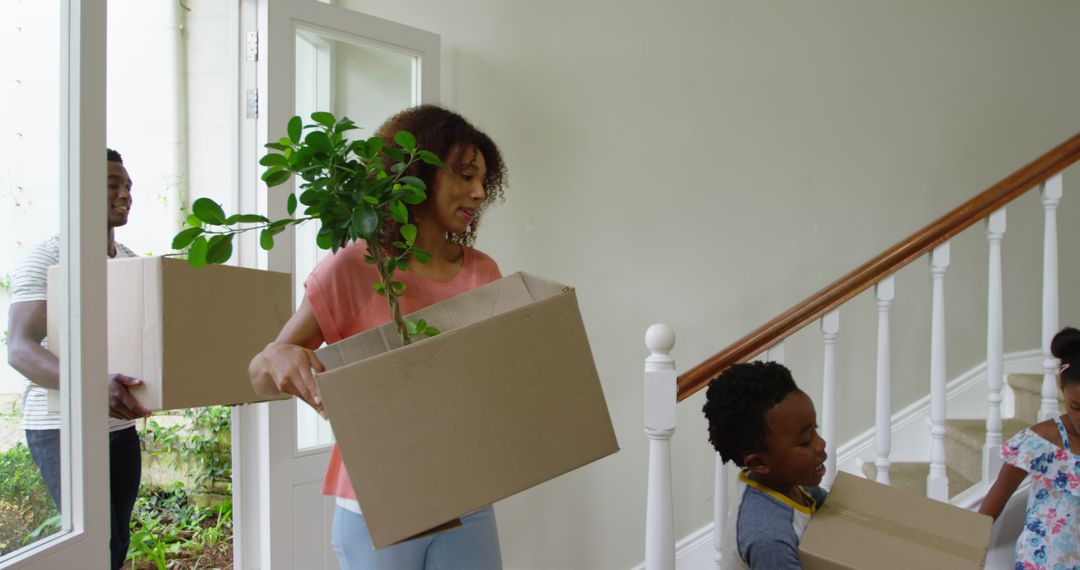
[472,546]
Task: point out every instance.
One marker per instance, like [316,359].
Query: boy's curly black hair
[736,403]
[1066,347]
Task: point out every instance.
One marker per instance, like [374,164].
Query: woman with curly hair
[340,301]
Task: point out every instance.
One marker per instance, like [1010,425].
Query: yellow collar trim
[808,510]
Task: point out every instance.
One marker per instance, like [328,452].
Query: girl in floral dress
[1050,452]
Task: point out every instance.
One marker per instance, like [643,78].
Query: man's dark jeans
[125,471]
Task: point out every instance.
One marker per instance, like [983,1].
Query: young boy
[759,419]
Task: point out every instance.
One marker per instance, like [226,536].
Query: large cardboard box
[867,525]
[507,397]
[187,333]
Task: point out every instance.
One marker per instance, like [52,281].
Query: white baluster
[885,292]
[660,399]
[1051,196]
[720,508]
[775,354]
[937,482]
[995,348]
[830,327]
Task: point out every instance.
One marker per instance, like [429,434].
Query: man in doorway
[28,353]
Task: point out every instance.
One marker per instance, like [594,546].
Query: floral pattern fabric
[1050,539]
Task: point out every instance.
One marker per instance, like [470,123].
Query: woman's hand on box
[122,405]
[291,368]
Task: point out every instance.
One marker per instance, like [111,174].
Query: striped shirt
[29,283]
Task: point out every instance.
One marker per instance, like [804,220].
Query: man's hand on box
[122,405]
[290,367]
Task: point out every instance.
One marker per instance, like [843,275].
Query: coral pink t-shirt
[341,292]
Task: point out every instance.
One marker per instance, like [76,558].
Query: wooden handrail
[892,260]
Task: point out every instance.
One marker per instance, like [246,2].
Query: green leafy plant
[25,504]
[203,446]
[356,189]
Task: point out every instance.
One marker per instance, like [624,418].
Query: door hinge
[252,104]
[253,46]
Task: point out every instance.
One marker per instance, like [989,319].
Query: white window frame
[83,541]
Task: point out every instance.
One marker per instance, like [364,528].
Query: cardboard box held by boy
[864,524]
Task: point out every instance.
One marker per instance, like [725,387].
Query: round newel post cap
[660,339]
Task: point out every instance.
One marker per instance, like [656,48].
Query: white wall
[709,164]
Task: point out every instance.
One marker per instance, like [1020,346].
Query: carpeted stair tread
[1026,382]
[911,476]
[972,433]
[1028,391]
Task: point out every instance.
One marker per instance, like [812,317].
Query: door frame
[83,541]
[267,463]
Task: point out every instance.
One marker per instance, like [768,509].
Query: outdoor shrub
[25,503]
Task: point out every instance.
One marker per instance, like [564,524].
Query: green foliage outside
[25,504]
[347,187]
[183,524]
[187,524]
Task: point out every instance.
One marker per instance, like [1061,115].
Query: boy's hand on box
[122,405]
[290,367]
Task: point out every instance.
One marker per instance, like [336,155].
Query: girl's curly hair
[444,132]
[736,403]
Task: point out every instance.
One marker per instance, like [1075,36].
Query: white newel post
[660,399]
[937,482]
[995,348]
[720,507]
[1051,196]
[885,291]
[830,327]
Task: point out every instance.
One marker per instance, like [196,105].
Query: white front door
[312,57]
[83,541]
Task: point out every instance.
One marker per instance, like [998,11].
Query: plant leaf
[413,181]
[274,177]
[295,128]
[432,158]
[365,221]
[431,331]
[395,154]
[374,145]
[274,159]
[399,212]
[405,140]
[246,219]
[291,204]
[380,289]
[413,196]
[421,255]
[323,118]
[324,241]
[397,286]
[197,253]
[266,239]
[219,249]
[208,211]
[318,141]
[408,231]
[193,221]
[185,237]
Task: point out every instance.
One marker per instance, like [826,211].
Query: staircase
[956,447]
[964,440]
